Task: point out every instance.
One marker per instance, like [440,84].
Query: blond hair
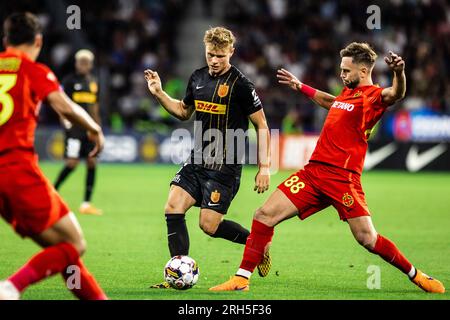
[360,52]
[219,37]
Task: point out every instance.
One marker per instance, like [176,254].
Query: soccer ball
[181,272]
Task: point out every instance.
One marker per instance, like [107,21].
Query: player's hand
[66,123]
[287,78]
[262,180]
[395,62]
[153,81]
[99,139]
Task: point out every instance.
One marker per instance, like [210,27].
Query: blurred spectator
[305,37]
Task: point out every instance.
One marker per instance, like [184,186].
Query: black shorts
[76,147]
[211,189]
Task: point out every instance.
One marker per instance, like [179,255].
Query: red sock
[85,287]
[387,250]
[49,261]
[259,237]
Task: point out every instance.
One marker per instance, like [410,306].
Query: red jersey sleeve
[43,81]
[376,99]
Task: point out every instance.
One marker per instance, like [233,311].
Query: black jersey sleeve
[247,97]
[189,97]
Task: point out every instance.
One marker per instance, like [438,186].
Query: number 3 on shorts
[294,184]
[7,81]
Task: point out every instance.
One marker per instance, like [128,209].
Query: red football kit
[333,174]
[28,200]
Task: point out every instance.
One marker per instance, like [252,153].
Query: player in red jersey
[28,200]
[333,175]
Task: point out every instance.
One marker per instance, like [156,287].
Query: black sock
[65,172]
[232,231]
[177,235]
[90,180]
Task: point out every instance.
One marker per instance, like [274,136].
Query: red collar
[17,52]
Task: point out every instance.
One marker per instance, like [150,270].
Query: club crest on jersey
[215,196]
[358,94]
[347,200]
[223,90]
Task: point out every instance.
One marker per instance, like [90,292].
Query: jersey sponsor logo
[223,90]
[343,105]
[416,161]
[10,64]
[210,107]
[215,196]
[84,97]
[347,200]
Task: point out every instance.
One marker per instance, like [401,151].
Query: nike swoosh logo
[416,161]
[197,87]
[212,204]
[377,156]
[241,288]
[171,234]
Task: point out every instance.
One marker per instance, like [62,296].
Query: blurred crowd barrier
[289,151]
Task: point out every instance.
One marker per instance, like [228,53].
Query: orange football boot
[87,208]
[427,283]
[236,283]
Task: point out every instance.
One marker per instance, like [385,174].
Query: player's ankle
[412,273]
[243,273]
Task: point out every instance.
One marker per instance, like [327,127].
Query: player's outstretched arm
[262,179]
[395,93]
[68,109]
[323,99]
[175,107]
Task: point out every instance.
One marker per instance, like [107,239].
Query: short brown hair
[21,28]
[360,52]
[219,37]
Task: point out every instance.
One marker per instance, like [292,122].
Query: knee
[91,163]
[366,239]
[72,164]
[80,246]
[209,227]
[263,216]
[173,207]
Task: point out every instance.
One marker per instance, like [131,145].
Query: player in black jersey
[223,100]
[82,87]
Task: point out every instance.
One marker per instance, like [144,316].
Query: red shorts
[28,201]
[318,186]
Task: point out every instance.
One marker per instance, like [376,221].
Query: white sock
[412,272]
[244,273]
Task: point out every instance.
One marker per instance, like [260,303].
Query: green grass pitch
[312,259]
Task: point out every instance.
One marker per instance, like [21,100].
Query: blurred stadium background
[127,245]
[305,37]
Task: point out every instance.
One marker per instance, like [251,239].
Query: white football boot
[8,291]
